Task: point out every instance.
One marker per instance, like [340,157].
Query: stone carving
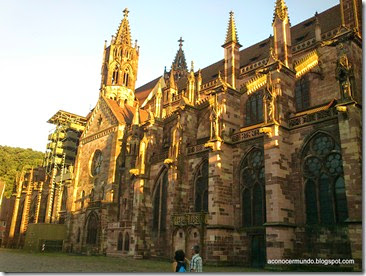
[269,98]
[344,75]
[216,111]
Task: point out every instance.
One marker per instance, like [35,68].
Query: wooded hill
[13,160]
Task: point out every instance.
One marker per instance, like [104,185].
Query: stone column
[350,132]
[280,234]
[221,211]
[139,227]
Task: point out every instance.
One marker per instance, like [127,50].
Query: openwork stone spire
[179,64]
[280,10]
[231,35]
[123,35]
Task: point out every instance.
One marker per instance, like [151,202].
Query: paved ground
[13,260]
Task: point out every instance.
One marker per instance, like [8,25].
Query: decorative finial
[231,34]
[280,10]
[125,12]
[192,65]
[180,42]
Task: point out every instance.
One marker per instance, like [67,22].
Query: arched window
[254,109]
[92,229]
[119,242]
[115,75]
[160,203]
[127,242]
[302,97]
[325,195]
[96,163]
[64,199]
[126,78]
[253,189]
[201,188]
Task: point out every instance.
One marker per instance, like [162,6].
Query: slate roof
[125,113]
[142,92]
[329,20]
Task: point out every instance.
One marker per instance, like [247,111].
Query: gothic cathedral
[255,157]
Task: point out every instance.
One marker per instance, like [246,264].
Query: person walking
[196,262]
[179,264]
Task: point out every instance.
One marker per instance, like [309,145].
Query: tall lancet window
[254,109]
[201,188]
[160,203]
[325,194]
[126,78]
[115,76]
[302,93]
[92,229]
[253,201]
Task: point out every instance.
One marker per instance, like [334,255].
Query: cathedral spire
[280,10]
[231,53]
[231,34]
[282,33]
[123,35]
[179,64]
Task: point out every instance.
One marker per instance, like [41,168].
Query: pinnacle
[123,35]
[280,10]
[231,35]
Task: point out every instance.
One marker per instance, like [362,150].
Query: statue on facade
[216,110]
[176,141]
[344,75]
[269,98]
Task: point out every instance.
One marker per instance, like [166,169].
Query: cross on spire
[125,12]
[180,42]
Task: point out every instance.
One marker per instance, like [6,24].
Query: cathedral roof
[142,92]
[125,113]
[329,20]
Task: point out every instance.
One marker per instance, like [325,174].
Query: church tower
[281,31]
[120,63]
[232,56]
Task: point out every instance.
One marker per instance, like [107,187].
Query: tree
[13,161]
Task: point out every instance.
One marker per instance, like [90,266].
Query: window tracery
[325,195]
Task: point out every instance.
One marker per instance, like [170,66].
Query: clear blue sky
[51,50]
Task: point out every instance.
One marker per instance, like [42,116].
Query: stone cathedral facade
[257,156]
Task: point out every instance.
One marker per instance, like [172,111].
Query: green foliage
[13,160]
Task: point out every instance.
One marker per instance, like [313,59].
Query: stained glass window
[96,163]
[92,229]
[325,194]
[160,203]
[201,188]
[302,97]
[341,200]
[257,205]
[252,184]
[311,202]
[254,109]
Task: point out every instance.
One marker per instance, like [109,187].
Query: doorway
[258,251]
